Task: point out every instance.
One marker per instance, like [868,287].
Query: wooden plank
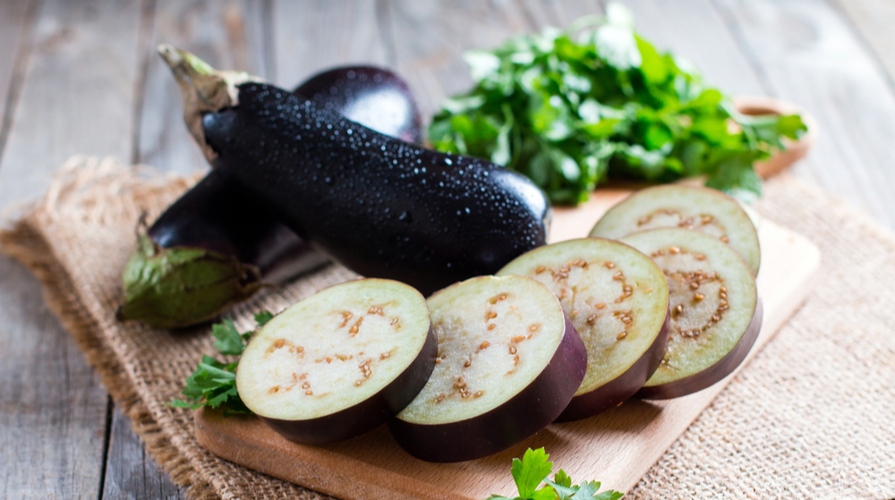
[216,32]
[16,20]
[78,93]
[77,97]
[430,36]
[873,21]
[130,472]
[808,54]
[315,35]
[693,30]
[52,405]
[258,24]
[617,446]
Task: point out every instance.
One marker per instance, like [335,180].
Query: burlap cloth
[812,416]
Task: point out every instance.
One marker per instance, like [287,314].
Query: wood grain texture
[76,97]
[808,54]
[873,21]
[430,36]
[617,446]
[16,20]
[217,32]
[52,405]
[78,92]
[311,36]
[130,472]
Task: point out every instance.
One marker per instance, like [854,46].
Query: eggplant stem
[204,89]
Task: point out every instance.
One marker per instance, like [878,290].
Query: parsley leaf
[562,479]
[534,468]
[569,109]
[263,317]
[213,383]
[531,471]
[609,495]
[587,489]
[562,483]
[230,342]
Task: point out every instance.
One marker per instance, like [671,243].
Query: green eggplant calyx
[204,89]
[182,286]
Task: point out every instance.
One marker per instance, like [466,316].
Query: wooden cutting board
[616,447]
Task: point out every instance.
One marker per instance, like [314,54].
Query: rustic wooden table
[82,77]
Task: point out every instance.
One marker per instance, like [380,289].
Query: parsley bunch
[213,383]
[571,108]
[533,470]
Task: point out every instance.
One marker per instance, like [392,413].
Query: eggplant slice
[340,362]
[618,302]
[689,207]
[715,314]
[509,361]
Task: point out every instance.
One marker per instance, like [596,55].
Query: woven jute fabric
[812,416]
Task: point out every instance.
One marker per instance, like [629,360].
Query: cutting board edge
[359,480]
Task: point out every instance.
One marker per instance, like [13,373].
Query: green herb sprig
[571,108]
[213,383]
[530,472]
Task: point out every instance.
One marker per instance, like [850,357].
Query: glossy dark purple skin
[380,206]
[218,215]
[616,391]
[368,414]
[713,374]
[372,96]
[526,413]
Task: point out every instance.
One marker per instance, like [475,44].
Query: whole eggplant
[371,96]
[216,245]
[380,206]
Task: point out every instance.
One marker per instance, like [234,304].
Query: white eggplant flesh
[715,312]
[339,363]
[509,361]
[688,207]
[617,300]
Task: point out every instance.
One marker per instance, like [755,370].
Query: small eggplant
[380,206]
[371,96]
[215,245]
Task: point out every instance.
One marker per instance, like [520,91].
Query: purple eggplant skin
[380,206]
[217,215]
[526,413]
[369,414]
[372,96]
[624,386]
[713,374]
[244,233]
